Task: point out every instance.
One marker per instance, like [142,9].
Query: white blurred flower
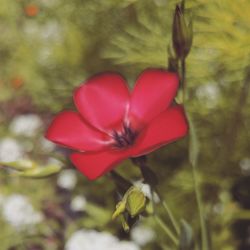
[218,208]
[78,203]
[19,213]
[54,161]
[2,198]
[93,240]
[50,31]
[49,3]
[26,125]
[10,150]
[125,245]
[45,55]
[145,188]
[142,235]
[89,240]
[46,145]
[160,2]
[209,94]
[67,179]
[245,165]
[30,28]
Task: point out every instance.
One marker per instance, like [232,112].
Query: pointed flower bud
[132,205]
[182,33]
[136,202]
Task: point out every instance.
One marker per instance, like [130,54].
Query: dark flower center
[125,138]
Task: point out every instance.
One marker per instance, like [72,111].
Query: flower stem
[169,212]
[183,79]
[204,238]
[164,227]
[141,163]
[160,222]
[204,235]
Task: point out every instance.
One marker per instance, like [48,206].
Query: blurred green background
[48,47]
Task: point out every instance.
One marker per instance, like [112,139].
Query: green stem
[164,227]
[183,79]
[204,238]
[169,212]
[160,222]
[153,202]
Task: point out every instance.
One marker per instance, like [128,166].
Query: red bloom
[31,10]
[113,124]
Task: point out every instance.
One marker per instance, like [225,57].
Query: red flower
[31,10]
[113,124]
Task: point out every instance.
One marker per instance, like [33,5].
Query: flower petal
[103,100]
[69,129]
[167,127]
[94,165]
[154,91]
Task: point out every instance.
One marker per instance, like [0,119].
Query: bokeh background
[48,47]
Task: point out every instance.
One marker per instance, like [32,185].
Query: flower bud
[132,204]
[136,202]
[182,34]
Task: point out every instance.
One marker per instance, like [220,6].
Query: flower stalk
[169,212]
[204,238]
[141,163]
[164,227]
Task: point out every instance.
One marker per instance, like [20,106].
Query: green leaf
[120,208]
[186,237]
[98,214]
[125,224]
[41,172]
[20,165]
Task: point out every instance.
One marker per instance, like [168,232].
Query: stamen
[125,138]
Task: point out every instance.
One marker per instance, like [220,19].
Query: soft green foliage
[45,56]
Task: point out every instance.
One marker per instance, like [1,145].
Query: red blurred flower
[113,124]
[17,82]
[31,10]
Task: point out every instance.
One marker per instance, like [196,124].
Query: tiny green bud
[182,34]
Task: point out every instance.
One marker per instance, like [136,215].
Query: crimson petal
[154,91]
[69,129]
[103,100]
[94,165]
[167,127]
